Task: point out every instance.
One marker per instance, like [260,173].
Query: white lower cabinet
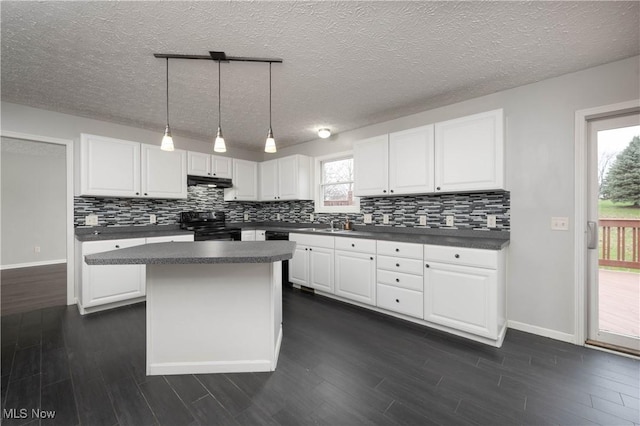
[468,292]
[355,263]
[101,287]
[248,235]
[104,284]
[313,262]
[400,278]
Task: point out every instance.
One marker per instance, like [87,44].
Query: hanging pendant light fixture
[219,145]
[167,140]
[270,144]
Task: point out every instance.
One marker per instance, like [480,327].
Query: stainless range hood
[210,181]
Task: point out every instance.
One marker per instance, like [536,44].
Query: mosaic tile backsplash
[469,210]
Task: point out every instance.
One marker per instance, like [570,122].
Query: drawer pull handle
[371,258]
[397,250]
[398,265]
[397,300]
[397,280]
[457,256]
[117,246]
[310,249]
[306,249]
[353,245]
[427,265]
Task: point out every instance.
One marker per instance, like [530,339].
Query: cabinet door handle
[371,258]
[438,188]
[384,191]
[310,249]
[457,256]
[117,246]
[353,245]
[209,174]
[398,265]
[397,280]
[391,191]
[397,300]
[306,249]
[426,266]
[145,193]
[137,193]
[214,174]
[397,250]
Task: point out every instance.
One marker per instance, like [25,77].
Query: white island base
[213,318]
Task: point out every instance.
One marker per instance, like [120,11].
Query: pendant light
[270,144]
[219,145]
[167,140]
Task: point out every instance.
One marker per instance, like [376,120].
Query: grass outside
[609,210]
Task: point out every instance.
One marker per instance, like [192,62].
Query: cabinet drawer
[400,300]
[400,264]
[356,244]
[312,240]
[398,279]
[461,256]
[93,247]
[409,250]
[170,238]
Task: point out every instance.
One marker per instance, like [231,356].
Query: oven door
[226,235]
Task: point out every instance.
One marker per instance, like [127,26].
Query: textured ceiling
[346,64]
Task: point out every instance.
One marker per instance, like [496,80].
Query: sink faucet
[332,225]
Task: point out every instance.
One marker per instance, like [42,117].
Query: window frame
[319,206]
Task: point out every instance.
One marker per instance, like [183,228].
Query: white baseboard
[31,264]
[541,331]
[208,367]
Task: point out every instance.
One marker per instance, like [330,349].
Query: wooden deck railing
[619,242]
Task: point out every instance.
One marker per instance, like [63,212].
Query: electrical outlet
[423,220]
[152,218]
[246,217]
[368,218]
[560,223]
[449,220]
[91,220]
[491,221]
[277,216]
[311,217]
[385,218]
[36,249]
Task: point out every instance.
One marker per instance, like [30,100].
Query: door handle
[592,230]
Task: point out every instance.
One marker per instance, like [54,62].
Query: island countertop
[197,252]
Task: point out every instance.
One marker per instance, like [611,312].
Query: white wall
[540,175]
[33,201]
[24,119]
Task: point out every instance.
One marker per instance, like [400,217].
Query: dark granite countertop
[100,233]
[197,252]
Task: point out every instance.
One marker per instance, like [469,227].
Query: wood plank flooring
[339,365]
[36,287]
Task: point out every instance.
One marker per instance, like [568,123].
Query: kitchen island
[212,306]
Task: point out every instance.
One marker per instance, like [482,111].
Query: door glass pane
[619,231]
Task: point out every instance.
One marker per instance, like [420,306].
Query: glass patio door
[614,232]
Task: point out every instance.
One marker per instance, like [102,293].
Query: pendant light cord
[269,94]
[167,91]
[219,114]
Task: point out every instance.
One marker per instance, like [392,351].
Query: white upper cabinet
[469,153]
[287,178]
[371,166]
[245,181]
[201,164]
[109,167]
[118,168]
[395,164]
[411,161]
[164,173]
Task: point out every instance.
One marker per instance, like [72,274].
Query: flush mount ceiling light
[324,133]
[270,144]
[167,140]
[219,144]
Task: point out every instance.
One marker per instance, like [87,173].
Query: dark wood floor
[36,287]
[339,365]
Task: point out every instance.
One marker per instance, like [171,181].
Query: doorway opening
[613,257]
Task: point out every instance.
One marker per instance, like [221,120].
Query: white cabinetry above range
[201,164]
[111,167]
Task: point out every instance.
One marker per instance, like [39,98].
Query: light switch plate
[560,223]
[449,220]
[277,216]
[385,218]
[246,217]
[91,220]
[368,218]
[422,220]
[491,221]
[311,217]
[152,218]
